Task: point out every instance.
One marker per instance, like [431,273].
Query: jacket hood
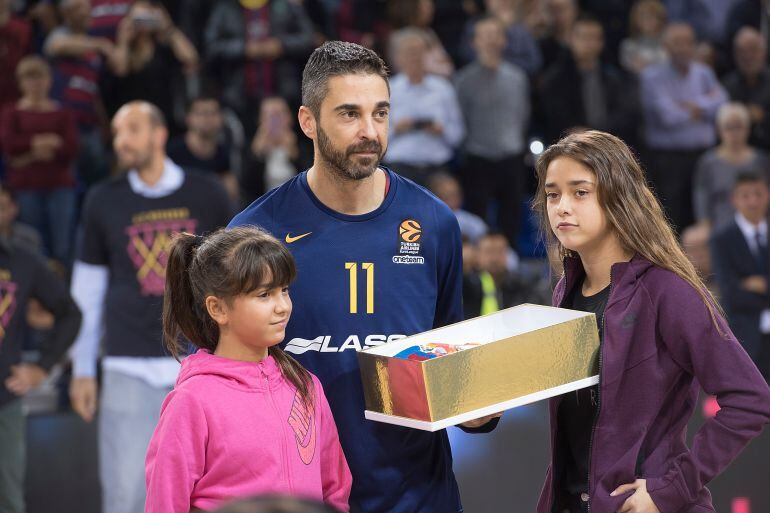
[623,274]
[240,374]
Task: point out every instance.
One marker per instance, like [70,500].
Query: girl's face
[259,318]
[574,213]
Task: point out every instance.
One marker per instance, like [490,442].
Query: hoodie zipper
[284,450]
[598,393]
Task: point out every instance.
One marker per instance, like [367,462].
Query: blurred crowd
[479,88]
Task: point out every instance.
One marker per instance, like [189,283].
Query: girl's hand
[471,424]
[639,502]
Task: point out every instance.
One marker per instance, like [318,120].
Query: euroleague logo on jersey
[409,245]
[410,231]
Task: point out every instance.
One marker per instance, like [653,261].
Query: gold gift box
[525,354]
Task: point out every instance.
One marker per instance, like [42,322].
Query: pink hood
[233,429]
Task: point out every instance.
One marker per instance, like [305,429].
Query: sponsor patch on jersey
[325,343]
[409,243]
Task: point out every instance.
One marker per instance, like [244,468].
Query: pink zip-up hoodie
[233,429]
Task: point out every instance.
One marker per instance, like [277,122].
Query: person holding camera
[426,123]
[275,154]
[151,50]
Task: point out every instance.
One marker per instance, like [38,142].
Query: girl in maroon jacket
[620,447]
[39,142]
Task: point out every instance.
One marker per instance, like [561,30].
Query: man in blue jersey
[379,258]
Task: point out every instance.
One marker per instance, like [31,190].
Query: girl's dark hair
[224,264]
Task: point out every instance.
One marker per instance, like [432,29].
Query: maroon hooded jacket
[659,342]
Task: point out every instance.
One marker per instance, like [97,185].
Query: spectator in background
[24,277]
[202,148]
[749,83]
[360,21]
[742,267]
[255,49]
[426,124]
[15,43]
[561,15]
[155,59]
[748,13]
[707,17]
[507,286]
[496,121]
[520,47]
[275,153]
[580,91]
[680,99]
[127,225]
[717,168]
[644,47]
[479,291]
[13,231]
[419,14]
[78,59]
[106,16]
[447,189]
[39,139]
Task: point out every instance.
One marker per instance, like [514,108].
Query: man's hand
[435,129]
[696,113]
[756,284]
[83,393]
[25,377]
[43,146]
[404,125]
[472,424]
[639,502]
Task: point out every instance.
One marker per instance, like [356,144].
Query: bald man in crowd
[126,227]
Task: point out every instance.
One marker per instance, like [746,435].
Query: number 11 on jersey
[352,267]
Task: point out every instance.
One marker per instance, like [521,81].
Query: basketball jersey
[364,280]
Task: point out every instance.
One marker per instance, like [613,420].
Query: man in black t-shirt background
[118,281]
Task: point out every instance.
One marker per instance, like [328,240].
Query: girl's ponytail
[182,314]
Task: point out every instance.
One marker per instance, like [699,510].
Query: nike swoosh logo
[302,421]
[290,239]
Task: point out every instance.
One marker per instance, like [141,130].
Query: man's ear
[307,122]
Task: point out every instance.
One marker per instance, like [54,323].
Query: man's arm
[89,288]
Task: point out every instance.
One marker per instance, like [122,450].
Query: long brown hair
[225,264]
[633,212]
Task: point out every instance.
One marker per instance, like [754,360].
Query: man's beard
[344,165]
[135,160]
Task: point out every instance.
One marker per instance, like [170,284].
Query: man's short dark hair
[202,98]
[750,177]
[332,59]
[588,19]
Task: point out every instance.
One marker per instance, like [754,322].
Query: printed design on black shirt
[302,422]
[149,238]
[409,245]
[7,301]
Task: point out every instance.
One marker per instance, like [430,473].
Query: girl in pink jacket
[244,417]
